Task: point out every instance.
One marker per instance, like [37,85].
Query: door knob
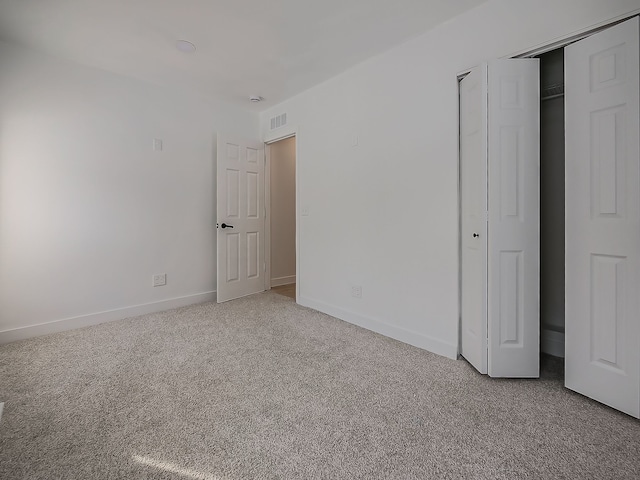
[475,235]
[224,225]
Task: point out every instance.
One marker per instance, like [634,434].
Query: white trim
[276,282]
[62,325]
[449,350]
[459,227]
[285,132]
[552,342]
[267,217]
[298,216]
[278,139]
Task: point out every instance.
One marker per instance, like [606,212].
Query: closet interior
[552,202]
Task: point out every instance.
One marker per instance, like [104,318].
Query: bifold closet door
[504,287]
[514,218]
[473,211]
[602,357]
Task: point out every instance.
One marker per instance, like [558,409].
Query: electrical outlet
[356,291]
[159,280]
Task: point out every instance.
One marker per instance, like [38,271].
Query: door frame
[559,42]
[283,135]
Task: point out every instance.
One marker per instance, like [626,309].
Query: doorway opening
[281,216]
[552,207]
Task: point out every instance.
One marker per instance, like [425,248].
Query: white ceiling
[272,48]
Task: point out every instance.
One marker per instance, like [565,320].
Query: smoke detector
[256,98]
[185,47]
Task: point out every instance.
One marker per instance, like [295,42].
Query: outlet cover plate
[159,280]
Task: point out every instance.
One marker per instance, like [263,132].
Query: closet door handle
[224,225]
[475,235]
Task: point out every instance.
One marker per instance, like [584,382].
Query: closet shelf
[552,91]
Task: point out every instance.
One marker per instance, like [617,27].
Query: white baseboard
[276,282]
[552,342]
[31,331]
[407,336]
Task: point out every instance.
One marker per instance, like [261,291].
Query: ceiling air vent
[279,121]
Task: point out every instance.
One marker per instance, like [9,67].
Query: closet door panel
[603,217]
[499,180]
[473,224]
[514,213]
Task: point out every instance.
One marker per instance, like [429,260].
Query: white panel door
[473,224]
[514,218]
[240,218]
[602,358]
[500,204]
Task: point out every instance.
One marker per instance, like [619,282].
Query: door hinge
[264,267]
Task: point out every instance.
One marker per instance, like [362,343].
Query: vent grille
[279,121]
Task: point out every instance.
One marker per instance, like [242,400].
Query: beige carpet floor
[263,388]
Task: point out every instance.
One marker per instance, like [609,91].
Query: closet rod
[551,97]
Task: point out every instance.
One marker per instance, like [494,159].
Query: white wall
[88,210]
[283,211]
[384,214]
